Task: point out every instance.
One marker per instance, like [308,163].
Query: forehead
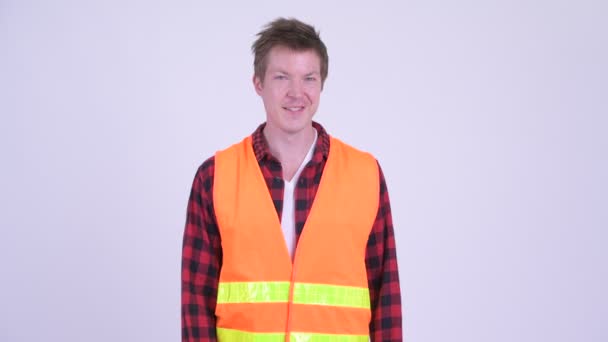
[281,58]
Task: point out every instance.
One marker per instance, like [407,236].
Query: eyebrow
[286,73]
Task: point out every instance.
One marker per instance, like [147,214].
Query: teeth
[294,109]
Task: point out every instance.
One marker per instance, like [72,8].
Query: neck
[289,148]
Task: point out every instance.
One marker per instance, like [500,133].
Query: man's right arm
[201,260]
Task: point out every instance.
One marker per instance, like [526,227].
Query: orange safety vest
[324,295]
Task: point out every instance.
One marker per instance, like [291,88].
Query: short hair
[292,34]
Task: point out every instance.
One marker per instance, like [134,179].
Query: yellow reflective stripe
[309,337]
[278,292]
[228,335]
[252,292]
[317,294]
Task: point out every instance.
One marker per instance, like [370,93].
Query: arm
[201,260]
[383,274]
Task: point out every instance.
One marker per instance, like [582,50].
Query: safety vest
[323,295]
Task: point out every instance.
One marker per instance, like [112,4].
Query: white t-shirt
[288,224]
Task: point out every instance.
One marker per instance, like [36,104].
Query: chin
[295,126]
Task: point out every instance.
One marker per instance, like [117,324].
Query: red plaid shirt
[202,252]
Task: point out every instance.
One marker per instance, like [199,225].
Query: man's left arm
[383,274]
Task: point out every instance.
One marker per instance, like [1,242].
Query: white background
[490,120]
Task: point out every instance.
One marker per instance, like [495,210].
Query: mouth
[294,109]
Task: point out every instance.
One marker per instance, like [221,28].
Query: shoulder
[207,169]
[365,158]
[203,179]
[339,145]
[207,165]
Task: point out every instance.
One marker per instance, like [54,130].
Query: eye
[280,77]
[310,78]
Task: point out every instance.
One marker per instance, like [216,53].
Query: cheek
[314,96]
[314,92]
[271,96]
[277,94]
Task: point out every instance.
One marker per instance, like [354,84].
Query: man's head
[290,68]
[292,34]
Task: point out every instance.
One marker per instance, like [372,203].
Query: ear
[257,84]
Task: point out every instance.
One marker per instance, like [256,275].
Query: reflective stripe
[309,337]
[253,292]
[228,335]
[355,297]
[273,292]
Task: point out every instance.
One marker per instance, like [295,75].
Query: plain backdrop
[489,118]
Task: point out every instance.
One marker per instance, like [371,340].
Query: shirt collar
[262,151]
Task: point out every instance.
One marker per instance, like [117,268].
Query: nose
[295,89]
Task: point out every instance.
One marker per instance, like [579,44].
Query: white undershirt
[288,224]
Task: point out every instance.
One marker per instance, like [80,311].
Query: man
[289,233]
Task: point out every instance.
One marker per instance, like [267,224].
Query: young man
[289,233]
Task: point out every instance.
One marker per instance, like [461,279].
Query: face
[291,89]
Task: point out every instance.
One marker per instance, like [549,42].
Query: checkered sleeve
[201,260]
[383,274]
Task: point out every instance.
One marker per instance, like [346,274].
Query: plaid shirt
[202,252]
